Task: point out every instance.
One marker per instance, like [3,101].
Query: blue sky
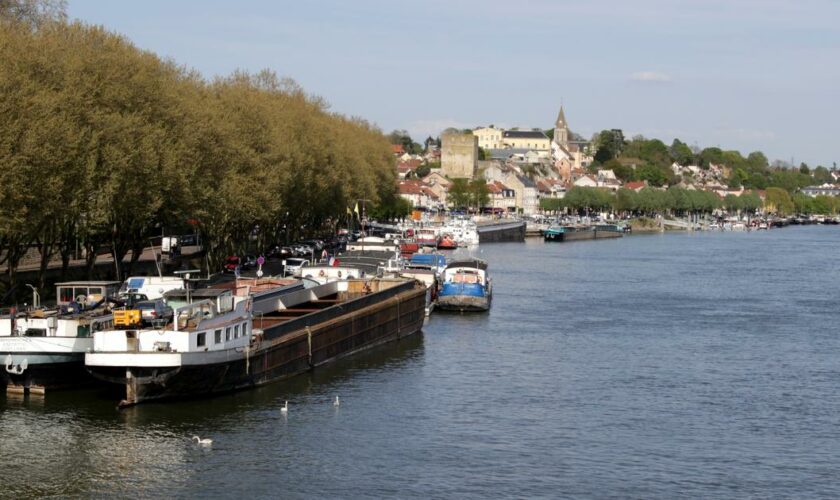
[739,74]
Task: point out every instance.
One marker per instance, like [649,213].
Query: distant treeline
[640,159]
[682,202]
[103,145]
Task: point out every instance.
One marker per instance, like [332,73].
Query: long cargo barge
[231,342]
[577,233]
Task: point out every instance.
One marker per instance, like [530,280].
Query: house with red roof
[635,185]
[419,194]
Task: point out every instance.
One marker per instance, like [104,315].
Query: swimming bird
[285,408]
[336,402]
[203,442]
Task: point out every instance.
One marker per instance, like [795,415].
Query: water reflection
[78,443]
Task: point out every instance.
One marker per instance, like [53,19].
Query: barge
[44,348]
[234,340]
[576,233]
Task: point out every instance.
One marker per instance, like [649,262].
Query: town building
[502,198]
[527,199]
[535,140]
[488,137]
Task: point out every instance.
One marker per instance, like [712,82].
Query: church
[567,154]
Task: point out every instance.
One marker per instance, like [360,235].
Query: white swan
[203,442]
[336,402]
[285,408]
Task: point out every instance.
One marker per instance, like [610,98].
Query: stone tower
[459,154]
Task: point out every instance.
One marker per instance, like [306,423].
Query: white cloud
[650,76]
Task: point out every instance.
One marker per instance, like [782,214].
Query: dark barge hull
[63,371]
[286,349]
[589,234]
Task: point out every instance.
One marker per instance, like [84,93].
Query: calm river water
[678,365]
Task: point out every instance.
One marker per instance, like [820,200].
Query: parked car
[294,267]
[234,261]
[280,252]
[303,250]
[151,310]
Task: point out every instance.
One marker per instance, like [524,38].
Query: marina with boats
[165,337]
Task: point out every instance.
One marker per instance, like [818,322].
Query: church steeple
[561,118]
[561,129]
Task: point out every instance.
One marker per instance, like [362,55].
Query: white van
[153,287]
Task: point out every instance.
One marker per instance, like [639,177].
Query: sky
[737,74]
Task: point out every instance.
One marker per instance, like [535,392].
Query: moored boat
[447,242]
[465,286]
[43,348]
[426,237]
[569,233]
[234,341]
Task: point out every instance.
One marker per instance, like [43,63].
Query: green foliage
[609,144]
[655,175]
[119,142]
[423,170]
[709,156]
[551,204]
[778,201]
[623,172]
[403,138]
[681,153]
[750,202]
[588,198]
[468,194]
[821,175]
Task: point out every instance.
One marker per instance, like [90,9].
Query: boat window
[219,336]
[236,332]
[200,339]
[65,294]
[227,334]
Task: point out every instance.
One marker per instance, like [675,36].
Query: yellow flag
[348,211]
[356,209]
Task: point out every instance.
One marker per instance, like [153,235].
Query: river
[661,366]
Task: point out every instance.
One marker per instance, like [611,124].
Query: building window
[236,332]
[244,329]
[227,334]
[219,336]
[199,339]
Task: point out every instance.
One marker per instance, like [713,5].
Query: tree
[750,202]
[479,194]
[609,145]
[821,175]
[778,201]
[459,193]
[34,13]
[732,203]
[423,170]
[681,153]
[709,156]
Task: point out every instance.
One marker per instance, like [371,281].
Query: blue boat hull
[464,297]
